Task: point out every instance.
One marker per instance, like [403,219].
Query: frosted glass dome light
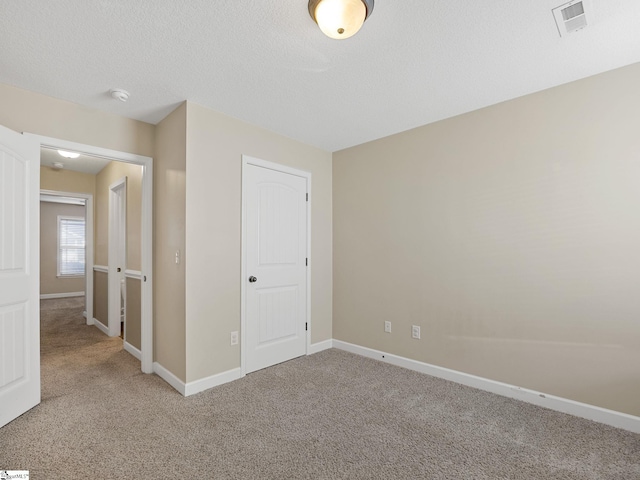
[340,19]
[64,154]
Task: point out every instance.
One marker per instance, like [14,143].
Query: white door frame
[247,160]
[146,314]
[88,252]
[116,257]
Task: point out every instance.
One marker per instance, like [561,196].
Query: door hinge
[307,197]
[306,262]
[306,326]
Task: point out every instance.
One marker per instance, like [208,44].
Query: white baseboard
[590,412]
[197,386]
[213,381]
[100,326]
[132,350]
[203,384]
[169,377]
[46,296]
[319,347]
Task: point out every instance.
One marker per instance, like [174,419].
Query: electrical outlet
[234,338]
[415,332]
[387,327]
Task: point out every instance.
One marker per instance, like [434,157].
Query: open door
[117,256]
[19,274]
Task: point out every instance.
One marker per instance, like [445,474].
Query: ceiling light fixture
[340,19]
[68,154]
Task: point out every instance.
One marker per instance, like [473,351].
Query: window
[71,246]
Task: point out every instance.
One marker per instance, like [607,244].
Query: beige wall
[100,300]
[67,181]
[25,111]
[169,236]
[510,235]
[132,325]
[215,145]
[111,173]
[49,281]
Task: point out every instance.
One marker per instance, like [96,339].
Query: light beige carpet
[332,415]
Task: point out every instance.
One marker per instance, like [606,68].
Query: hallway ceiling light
[340,19]
[68,154]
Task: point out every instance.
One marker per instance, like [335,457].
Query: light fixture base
[119,94]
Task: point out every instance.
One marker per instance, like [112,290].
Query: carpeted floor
[332,415]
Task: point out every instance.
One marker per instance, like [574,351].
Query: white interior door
[19,274]
[276,277]
[117,255]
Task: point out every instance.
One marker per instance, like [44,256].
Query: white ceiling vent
[571,16]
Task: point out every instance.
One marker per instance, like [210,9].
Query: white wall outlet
[387,327]
[234,338]
[415,332]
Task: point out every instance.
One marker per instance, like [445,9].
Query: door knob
[253,279]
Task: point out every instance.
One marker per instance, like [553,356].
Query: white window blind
[71,246]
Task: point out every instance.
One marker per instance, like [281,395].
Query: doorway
[70,199]
[117,258]
[145,273]
[275,320]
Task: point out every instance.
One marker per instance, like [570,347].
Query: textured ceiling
[266,62]
[84,163]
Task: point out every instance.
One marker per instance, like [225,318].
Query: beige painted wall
[169,175]
[100,301]
[67,181]
[215,145]
[132,325]
[49,281]
[111,173]
[510,235]
[25,111]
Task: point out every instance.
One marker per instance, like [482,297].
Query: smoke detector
[571,16]
[119,94]
[57,165]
